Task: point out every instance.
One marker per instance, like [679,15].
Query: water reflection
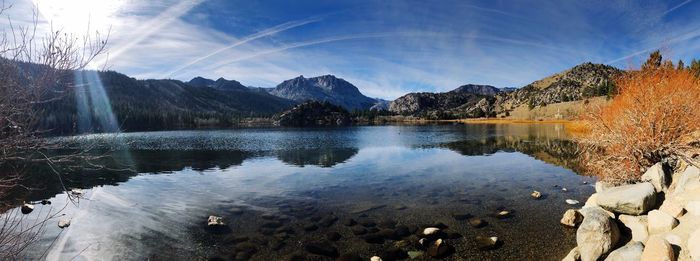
[413,175]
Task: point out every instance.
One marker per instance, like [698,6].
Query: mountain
[313,113]
[579,82]
[445,105]
[162,104]
[471,100]
[324,88]
[220,84]
[486,90]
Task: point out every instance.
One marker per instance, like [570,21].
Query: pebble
[63,222]
[572,201]
[477,222]
[536,194]
[430,231]
[564,189]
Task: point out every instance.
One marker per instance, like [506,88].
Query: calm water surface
[281,189]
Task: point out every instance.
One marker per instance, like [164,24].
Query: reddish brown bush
[652,117]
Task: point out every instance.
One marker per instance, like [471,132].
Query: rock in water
[375,258]
[350,257]
[660,222]
[597,234]
[430,231]
[638,226]
[215,221]
[27,208]
[63,222]
[503,214]
[657,177]
[572,201]
[635,199]
[477,222]
[536,194]
[322,248]
[571,218]
[438,249]
[632,251]
[486,243]
[658,249]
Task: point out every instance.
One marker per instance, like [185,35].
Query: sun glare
[77,16]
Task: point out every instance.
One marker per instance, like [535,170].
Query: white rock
[571,218]
[657,177]
[215,221]
[76,191]
[693,207]
[430,231]
[672,207]
[592,201]
[660,222]
[375,258]
[658,249]
[673,239]
[572,201]
[694,244]
[536,194]
[690,175]
[574,255]
[632,199]
[63,222]
[638,226]
[597,234]
[564,189]
[631,251]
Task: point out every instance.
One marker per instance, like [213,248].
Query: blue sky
[386,48]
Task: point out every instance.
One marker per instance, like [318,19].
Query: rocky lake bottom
[325,194]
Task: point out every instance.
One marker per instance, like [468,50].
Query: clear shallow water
[273,186]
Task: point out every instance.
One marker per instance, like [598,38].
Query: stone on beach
[660,222]
[631,251]
[592,201]
[657,177]
[637,225]
[597,234]
[574,255]
[658,249]
[632,199]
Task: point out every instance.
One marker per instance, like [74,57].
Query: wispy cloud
[244,40]
[677,6]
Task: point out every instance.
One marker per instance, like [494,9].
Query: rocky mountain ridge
[324,88]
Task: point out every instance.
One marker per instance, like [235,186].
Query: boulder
[592,201]
[601,186]
[694,245]
[658,249]
[657,177]
[672,207]
[631,251]
[689,176]
[635,199]
[571,218]
[574,255]
[693,207]
[637,225]
[660,222]
[597,234]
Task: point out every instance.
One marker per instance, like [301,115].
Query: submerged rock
[477,222]
[350,257]
[597,234]
[536,194]
[635,199]
[439,249]
[571,218]
[215,221]
[503,214]
[486,243]
[572,201]
[632,251]
[63,222]
[322,248]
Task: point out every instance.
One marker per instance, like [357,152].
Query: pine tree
[654,61]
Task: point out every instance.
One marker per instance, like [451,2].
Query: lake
[366,190]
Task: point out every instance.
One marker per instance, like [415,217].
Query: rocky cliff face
[323,88]
[574,84]
[313,113]
[443,105]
